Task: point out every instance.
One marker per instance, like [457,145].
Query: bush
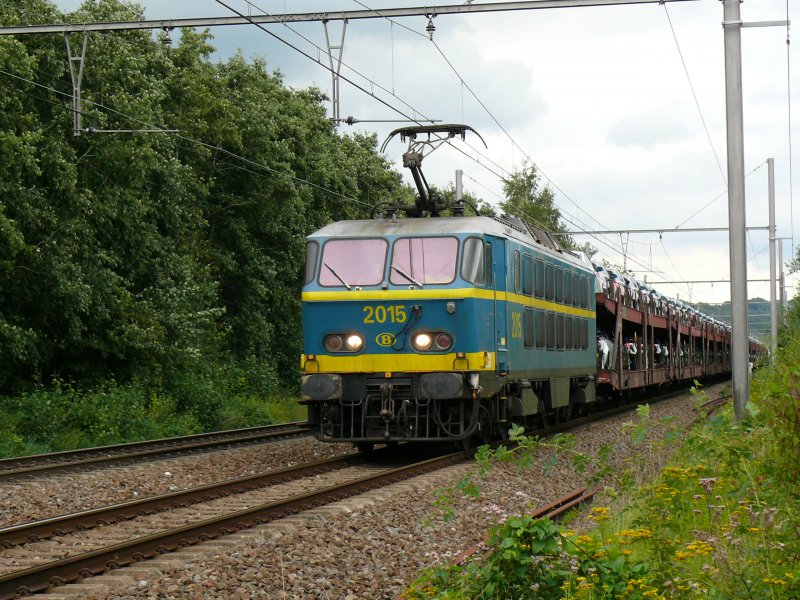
[204,398]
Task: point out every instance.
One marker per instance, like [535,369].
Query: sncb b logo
[384,339]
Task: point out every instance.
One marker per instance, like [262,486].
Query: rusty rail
[550,511]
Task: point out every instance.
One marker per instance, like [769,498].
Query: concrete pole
[740,355]
[459,185]
[773,304]
[782,279]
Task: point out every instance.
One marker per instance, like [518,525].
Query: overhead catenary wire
[413,117]
[694,95]
[185,138]
[466,85]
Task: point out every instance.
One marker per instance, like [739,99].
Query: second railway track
[42,465]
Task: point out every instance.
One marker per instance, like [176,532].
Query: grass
[65,417]
[721,521]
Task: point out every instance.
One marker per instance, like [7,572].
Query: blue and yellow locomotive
[442,328]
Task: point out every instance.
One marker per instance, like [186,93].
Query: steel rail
[92,563]
[552,510]
[36,531]
[28,467]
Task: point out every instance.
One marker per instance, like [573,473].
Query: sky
[626,125]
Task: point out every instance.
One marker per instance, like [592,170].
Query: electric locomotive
[442,328]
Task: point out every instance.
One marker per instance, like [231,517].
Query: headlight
[333,343]
[431,341]
[443,341]
[354,342]
[422,341]
[343,342]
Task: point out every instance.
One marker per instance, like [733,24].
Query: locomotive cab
[400,329]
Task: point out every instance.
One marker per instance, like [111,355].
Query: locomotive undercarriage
[371,408]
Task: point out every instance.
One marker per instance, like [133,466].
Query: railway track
[23,468]
[56,551]
[52,552]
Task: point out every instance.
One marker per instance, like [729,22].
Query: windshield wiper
[406,275]
[335,274]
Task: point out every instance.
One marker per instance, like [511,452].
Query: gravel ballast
[370,546]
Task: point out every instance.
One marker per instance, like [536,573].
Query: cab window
[424,260]
[312,251]
[351,262]
[472,262]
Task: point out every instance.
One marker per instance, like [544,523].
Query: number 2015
[381,314]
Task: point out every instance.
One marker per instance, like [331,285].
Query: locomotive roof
[504,227]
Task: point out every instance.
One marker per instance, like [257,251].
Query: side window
[567,287]
[576,283]
[516,272]
[527,326]
[540,337]
[551,330]
[584,333]
[583,289]
[527,275]
[560,331]
[489,266]
[472,261]
[550,284]
[559,284]
[577,328]
[568,332]
[312,252]
[539,278]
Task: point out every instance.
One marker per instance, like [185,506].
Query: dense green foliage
[159,261]
[721,522]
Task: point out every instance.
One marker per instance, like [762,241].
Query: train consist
[449,328]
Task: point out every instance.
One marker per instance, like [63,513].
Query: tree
[144,256]
[527,200]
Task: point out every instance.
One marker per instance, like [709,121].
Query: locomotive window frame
[312,246]
[349,280]
[587,292]
[517,273]
[584,334]
[397,279]
[489,265]
[527,326]
[527,274]
[473,263]
[559,284]
[549,281]
[569,331]
[576,343]
[567,287]
[539,277]
[576,292]
[551,330]
[560,331]
[540,328]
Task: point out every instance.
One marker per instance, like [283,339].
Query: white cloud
[597,97]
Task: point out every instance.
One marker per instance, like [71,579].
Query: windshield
[346,263]
[424,260]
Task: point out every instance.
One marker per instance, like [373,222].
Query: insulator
[430,28]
